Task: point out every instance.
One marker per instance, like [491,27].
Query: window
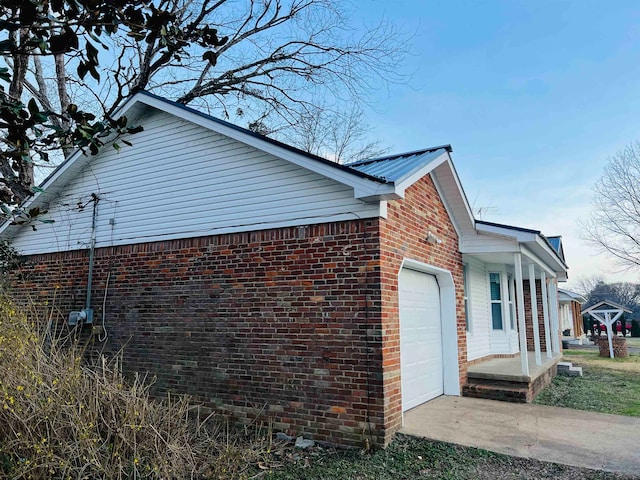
[496,301]
[512,309]
[465,283]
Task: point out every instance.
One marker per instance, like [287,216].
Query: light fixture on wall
[432,239]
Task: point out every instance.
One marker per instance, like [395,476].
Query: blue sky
[532,95]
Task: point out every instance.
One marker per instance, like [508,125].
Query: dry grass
[62,419]
[592,358]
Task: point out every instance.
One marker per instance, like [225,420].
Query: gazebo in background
[607,313]
[569,314]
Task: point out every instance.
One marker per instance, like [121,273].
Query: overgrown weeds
[63,419]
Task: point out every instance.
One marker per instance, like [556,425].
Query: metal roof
[396,167]
[508,227]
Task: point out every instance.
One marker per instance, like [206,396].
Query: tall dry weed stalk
[62,419]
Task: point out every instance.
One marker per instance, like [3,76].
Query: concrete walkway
[552,434]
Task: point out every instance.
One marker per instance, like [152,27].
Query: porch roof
[496,243]
[568,296]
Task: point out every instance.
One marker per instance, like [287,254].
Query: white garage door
[421,361]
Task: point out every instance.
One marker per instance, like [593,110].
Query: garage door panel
[421,355]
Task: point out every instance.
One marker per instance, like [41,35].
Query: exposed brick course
[619,345]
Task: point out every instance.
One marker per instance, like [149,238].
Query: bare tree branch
[614,224]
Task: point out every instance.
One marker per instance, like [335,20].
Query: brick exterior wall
[576,313]
[403,235]
[298,324]
[274,321]
[528,315]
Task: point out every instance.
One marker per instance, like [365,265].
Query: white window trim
[511,302]
[501,301]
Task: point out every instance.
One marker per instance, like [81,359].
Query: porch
[503,378]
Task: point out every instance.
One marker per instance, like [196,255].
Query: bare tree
[585,285]
[277,56]
[74,63]
[341,136]
[614,223]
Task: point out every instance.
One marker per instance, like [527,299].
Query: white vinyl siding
[479,243]
[180,180]
[482,338]
[478,336]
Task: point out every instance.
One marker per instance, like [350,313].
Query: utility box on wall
[84,316]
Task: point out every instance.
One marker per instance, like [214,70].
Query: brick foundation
[510,391]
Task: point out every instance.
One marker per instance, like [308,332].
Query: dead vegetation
[63,419]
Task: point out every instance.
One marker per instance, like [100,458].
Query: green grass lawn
[608,385]
[412,458]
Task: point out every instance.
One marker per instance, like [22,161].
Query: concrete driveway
[552,434]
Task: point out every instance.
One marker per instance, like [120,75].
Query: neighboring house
[263,280]
[570,306]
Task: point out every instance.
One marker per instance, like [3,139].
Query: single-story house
[570,307]
[263,280]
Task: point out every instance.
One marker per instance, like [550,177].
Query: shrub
[62,419]
[635,328]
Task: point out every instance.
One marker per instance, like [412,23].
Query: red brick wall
[284,320]
[528,315]
[403,235]
[286,323]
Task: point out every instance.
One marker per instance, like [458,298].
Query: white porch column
[545,313]
[553,308]
[522,330]
[534,313]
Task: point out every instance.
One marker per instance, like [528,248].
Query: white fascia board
[447,207]
[364,188]
[463,194]
[538,261]
[551,252]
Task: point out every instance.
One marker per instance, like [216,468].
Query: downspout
[92,247]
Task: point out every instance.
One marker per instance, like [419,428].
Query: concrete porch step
[567,369]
